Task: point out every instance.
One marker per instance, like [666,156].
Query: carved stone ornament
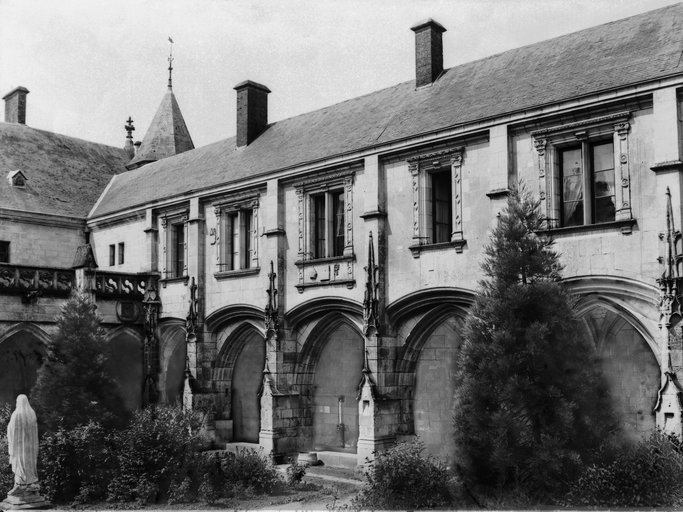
[271,313]
[192,318]
[151,305]
[669,283]
[371,298]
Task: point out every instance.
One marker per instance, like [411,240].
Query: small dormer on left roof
[15,105]
[17,178]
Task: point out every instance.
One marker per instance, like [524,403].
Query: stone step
[338,459]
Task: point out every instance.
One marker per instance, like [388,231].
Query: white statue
[22,442]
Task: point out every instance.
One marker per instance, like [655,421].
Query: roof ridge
[62,135]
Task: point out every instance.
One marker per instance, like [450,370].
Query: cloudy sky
[89,64]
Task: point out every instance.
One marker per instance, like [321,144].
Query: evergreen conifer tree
[531,403]
[73,385]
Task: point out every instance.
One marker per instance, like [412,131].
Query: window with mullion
[319,226]
[338,223]
[587,182]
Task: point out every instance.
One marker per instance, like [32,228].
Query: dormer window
[16,178]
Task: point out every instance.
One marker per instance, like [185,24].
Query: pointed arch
[172,356]
[23,348]
[125,363]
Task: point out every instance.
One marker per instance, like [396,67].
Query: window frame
[237,213]
[422,168]
[334,266]
[586,134]
[170,257]
[122,252]
[112,255]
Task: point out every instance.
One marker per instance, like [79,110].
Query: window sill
[349,283]
[498,193]
[459,245]
[626,227]
[227,274]
[181,279]
[319,261]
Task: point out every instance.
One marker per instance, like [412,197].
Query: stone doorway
[335,386]
[246,384]
[21,355]
[173,349]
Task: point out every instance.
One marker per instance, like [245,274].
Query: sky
[90,64]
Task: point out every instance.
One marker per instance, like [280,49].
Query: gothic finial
[669,304]
[170,64]
[271,316]
[192,316]
[371,300]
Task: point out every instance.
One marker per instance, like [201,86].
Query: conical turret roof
[167,134]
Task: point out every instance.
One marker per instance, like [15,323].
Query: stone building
[306,280]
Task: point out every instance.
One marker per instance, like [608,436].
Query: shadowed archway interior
[21,355]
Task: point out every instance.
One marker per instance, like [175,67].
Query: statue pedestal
[29,500]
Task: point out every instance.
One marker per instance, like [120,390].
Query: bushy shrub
[159,447]
[250,469]
[75,465]
[74,385]
[295,472]
[403,477]
[6,475]
[645,474]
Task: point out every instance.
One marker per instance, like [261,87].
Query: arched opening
[125,365]
[21,355]
[630,369]
[173,351]
[434,385]
[338,372]
[245,387]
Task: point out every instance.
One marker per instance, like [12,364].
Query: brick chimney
[428,51]
[252,111]
[15,105]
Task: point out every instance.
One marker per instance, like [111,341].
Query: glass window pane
[442,217]
[573,213]
[246,237]
[572,187]
[338,228]
[603,156]
[319,226]
[604,209]
[603,183]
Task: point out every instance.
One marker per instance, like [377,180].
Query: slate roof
[167,134]
[638,49]
[65,176]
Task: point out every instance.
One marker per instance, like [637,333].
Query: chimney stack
[428,51]
[15,105]
[252,111]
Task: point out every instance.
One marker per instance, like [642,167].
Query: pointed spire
[371,300]
[671,268]
[669,303]
[170,65]
[167,134]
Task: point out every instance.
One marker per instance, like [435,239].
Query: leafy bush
[402,477]
[75,464]
[646,474]
[295,472]
[6,475]
[250,469]
[159,447]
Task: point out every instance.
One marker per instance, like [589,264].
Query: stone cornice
[42,219]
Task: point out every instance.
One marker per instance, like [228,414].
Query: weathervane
[170,63]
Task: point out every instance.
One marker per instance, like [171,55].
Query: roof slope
[65,176]
[167,134]
[617,54]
